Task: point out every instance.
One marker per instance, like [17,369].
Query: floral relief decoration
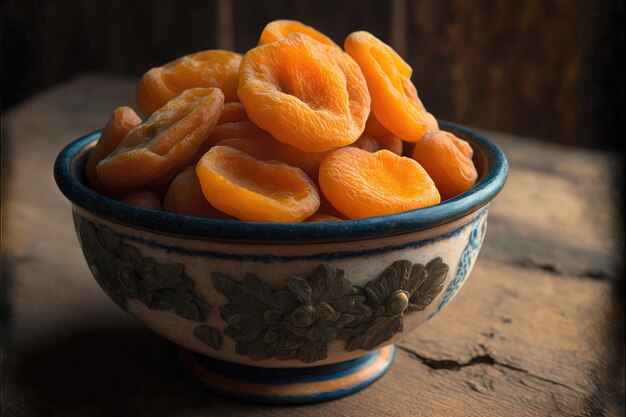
[125,273]
[299,321]
[296,322]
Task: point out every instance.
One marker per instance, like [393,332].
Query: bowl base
[285,385]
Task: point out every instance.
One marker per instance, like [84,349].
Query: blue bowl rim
[482,193]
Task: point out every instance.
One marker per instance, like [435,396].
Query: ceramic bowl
[282,312]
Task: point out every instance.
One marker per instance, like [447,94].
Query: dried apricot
[362,184]
[142,198]
[233,112]
[463,146]
[448,161]
[326,207]
[165,143]
[122,121]
[279,29]
[367,143]
[213,68]
[232,130]
[229,130]
[185,197]
[384,137]
[306,94]
[267,148]
[394,97]
[252,190]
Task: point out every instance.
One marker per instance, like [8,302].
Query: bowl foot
[286,385]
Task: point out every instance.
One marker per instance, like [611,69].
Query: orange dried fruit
[164,144]
[213,68]
[362,184]
[306,94]
[385,139]
[394,97]
[267,148]
[448,161]
[142,198]
[232,130]
[229,130]
[462,145]
[233,112]
[185,197]
[122,121]
[279,29]
[367,143]
[252,190]
[326,207]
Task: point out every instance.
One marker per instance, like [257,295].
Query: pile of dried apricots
[297,129]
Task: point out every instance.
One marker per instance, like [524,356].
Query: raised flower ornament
[295,323]
[403,286]
[298,322]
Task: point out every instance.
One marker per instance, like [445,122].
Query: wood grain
[543,68]
[536,331]
[337,19]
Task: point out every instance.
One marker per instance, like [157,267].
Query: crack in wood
[553,269]
[595,274]
[483,359]
[530,263]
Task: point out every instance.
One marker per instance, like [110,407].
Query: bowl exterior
[280,305]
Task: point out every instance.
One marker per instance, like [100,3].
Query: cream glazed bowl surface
[250,298]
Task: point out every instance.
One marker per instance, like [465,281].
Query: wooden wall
[552,69]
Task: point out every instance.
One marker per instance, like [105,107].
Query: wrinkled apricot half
[385,139]
[233,112]
[185,197]
[229,130]
[306,94]
[267,148]
[394,97]
[122,121]
[448,161]
[252,190]
[362,184]
[142,198]
[213,68]
[164,144]
[279,29]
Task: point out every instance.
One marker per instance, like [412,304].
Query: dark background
[550,69]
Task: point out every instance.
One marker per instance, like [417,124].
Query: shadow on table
[110,372]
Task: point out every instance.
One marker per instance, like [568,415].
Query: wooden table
[537,329]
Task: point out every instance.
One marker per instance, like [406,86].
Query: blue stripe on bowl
[490,161]
[285,376]
[325,372]
[326,256]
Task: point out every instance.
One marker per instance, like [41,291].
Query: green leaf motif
[294,323]
[208,335]
[434,273]
[125,273]
[402,287]
[299,321]
[381,329]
